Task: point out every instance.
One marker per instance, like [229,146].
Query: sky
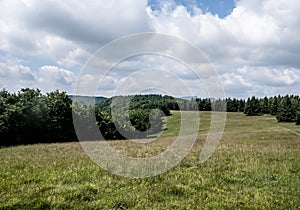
[253,46]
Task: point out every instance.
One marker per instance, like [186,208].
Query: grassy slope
[257,165]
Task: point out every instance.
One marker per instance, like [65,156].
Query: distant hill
[188,97]
[85,100]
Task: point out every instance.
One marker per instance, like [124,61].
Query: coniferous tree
[247,109]
[265,106]
[232,105]
[285,110]
[274,105]
[241,105]
[253,107]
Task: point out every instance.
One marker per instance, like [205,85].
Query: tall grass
[256,166]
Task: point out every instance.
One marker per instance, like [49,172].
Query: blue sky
[220,7]
[254,45]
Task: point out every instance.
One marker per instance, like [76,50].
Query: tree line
[285,108]
[28,116]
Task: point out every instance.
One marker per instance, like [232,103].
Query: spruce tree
[265,106]
[247,109]
[253,107]
[285,110]
[274,105]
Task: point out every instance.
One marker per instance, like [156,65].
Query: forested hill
[28,116]
[86,99]
[285,108]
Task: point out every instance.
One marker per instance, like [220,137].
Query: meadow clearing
[256,166]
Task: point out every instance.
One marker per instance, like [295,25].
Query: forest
[29,117]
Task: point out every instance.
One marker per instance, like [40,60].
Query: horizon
[162,94]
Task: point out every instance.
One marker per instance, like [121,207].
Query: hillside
[86,100]
[256,166]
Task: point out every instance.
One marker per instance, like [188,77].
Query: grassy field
[256,166]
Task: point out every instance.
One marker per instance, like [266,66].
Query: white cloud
[255,48]
[260,81]
[255,32]
[155,79]
[261,36]
[14,76]
[269,76]
[53,73]
[59,30]
[77,56]
[93,84]
[52,77]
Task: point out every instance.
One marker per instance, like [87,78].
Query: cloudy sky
[254,45]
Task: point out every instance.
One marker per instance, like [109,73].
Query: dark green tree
[232,105]
[285,110]
[253,107]
[59,122]
[30,111]
[10,115]
[203,104]
[241,105]
[265,105]
[274,102]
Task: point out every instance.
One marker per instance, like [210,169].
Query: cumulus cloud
[60,30]
[255,32]
[270,76]
[255,48]
[261,81]
[77,56]
[90,22]
[259,36]
[56,76]
[14,76]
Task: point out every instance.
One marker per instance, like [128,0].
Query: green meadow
[256,166]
